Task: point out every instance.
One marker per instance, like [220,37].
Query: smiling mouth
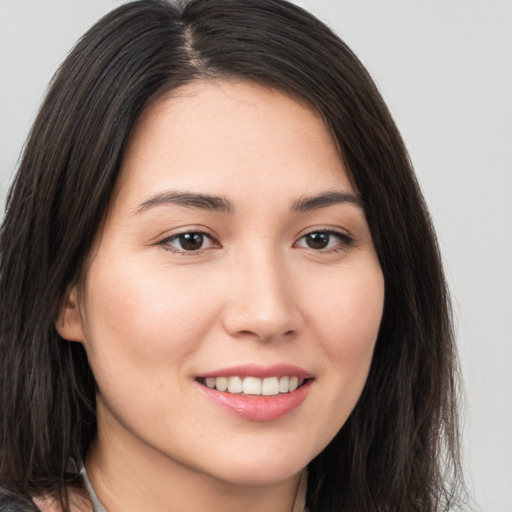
[254,386]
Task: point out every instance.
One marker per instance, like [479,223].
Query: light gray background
[445,69]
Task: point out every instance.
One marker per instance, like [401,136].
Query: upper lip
[260,371]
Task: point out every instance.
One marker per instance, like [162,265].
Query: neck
[127,478]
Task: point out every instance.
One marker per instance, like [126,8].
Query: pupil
[318,240]
[191,241]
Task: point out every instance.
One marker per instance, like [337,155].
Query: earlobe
[68,321]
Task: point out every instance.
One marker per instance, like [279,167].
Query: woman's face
[236,253]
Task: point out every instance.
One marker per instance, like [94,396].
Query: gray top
[95,502]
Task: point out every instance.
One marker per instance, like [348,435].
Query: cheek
[144,320]
[349,313]
[349,319]
[344,314]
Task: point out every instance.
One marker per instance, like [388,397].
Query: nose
[262,303]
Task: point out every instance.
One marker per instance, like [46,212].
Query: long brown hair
[399,450]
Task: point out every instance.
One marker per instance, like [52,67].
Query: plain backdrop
[445,69]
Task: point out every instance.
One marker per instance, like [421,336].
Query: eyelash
[166,242]
[344,243]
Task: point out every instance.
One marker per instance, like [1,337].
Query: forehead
[215,133]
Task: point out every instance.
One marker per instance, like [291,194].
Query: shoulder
[46,505]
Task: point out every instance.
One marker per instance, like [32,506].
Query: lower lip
[259,408]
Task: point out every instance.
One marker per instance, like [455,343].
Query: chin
[255,473]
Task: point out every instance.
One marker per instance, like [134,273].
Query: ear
[68,321]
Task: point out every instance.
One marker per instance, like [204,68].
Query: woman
[220,288]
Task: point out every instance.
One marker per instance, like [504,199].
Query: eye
[189,242]
[324,240]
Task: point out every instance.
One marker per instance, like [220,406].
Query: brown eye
[319,240]
[189,242]
[325,241]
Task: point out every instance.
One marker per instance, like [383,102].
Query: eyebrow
[189,200]
[324,199]
[223,205]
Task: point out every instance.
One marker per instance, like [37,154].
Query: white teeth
[270,386]
[252,386]
[235,385]
[221,383]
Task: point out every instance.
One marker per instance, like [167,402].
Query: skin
[153,316]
